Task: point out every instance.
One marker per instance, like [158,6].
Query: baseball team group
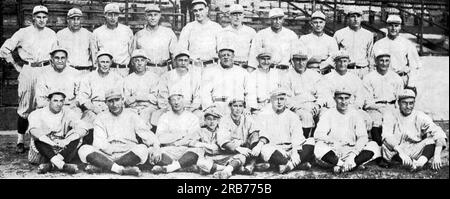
[218,100]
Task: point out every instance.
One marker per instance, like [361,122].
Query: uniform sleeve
[370,101]
[130,41]
[196,90]
[143,131]
[93,49]
[323,128]
[361,134]
[337,36]
[183,42]
[10,44]
[85,91]
[79,127]
[34,126]
[369,47]
[100,135]
[430,129]
[224,139]
[172,43]
[296,130]
[128,91]
[251,90]
[389,127]
[207,88]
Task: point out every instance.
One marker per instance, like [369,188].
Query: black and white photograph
[224,89]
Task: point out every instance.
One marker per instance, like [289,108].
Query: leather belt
[401,74]
[220,99]
[164,64]
[385,102]
[96,100]
[118,66]
[208,62]
[353,66]
[282,67]
[82,67]
[37,64]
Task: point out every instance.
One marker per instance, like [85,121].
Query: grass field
[13,165]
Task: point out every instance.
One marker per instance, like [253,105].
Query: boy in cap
[410,136]
[56,133]
[34,44]
[115,146]
[115,38]
[157,41]
[78,41]
[341,136]
[357,41]
[281,141]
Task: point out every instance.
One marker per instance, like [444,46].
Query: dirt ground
[16,166]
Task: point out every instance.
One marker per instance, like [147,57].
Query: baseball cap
[74,12]
[381,52]
[318,14]
[173,92]
[236,8]
[112,7]
[279,91]
[314,60]
[212,111]
[341,54]
[234,100]
[226,46]
[198,1]
[58,48]
[104,52]
[113,93]
[139,53]
[40,8]
[264,52]
[55,91]
[276,12]
[152,7]
[394,19]
[406,93]
[354,10]
[182,52]
[300,54]
[342,90]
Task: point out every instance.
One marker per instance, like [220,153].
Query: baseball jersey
[283,128]
[158,44]
[340,129]
[66,81]
[117,41]
[173,127]
[34,45]
[303,86]
[357,43]
[200,39]
[188,84]
[121,129]
[318,46]
[93,86]
[141,87]
[241,39]
[382,87]
[242,135]
[410,129]
[281,44]
[261,84]
[80,46]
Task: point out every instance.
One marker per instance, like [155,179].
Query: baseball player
[357,41]
[302,83]
[95,84]
[317,43]
[410,136]
[240,34]
[184,78]
[78,41]
[157,41]
[116,38]
[200,36]
[56,133]
[277,38]
[223,83]
[141,87]
[281,140]
[405,60]
[177,132]
[341,136]
[383,87]
[57,76]
[116,147]
[33,44]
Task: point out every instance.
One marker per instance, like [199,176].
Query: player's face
[383,63]
[40,19]
[226,58]
[112,18]
[406,106]
[318,25]
[394,29]
[237,18]
[342,101]
[140,63]
[299,64]
[278,103]
[56,102]
[277,22]
[354,20]
[264,62]
[104,63]
[200,12]
[341,65]
[59,59]
[182,61]
[115,105]
[153,18]
[176,102]
[237,108]
[74,23]
[211,122]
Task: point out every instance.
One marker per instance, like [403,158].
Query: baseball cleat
[285,168]
[304,166]
[337,169]
[132,171]
[158,169]
[222,175]
[262,166]
[92,169]
[21,148]
[70,168]
[44,168]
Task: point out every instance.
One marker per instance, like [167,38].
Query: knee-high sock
[99,160]
[89,138]
[22,126]
[70,151]
[277,158]
[307,154]
[376,135]
[165,160]
[428,151]
[330,158]
[306,132]
[44,149]
[188,159]
[364,156]
[129,159]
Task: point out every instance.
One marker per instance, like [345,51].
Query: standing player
[34,44]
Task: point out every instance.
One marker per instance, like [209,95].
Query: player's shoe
[304,166]
[44,168]
[70,168]
[337,169]
[222,174]
[20,148]
[285,168]
[91,169]
[132,171]
[158,169]
[262,166]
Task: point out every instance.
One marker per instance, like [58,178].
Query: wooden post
[334,15]
[20,13]
[313,6]
[421,28]
[126,12]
